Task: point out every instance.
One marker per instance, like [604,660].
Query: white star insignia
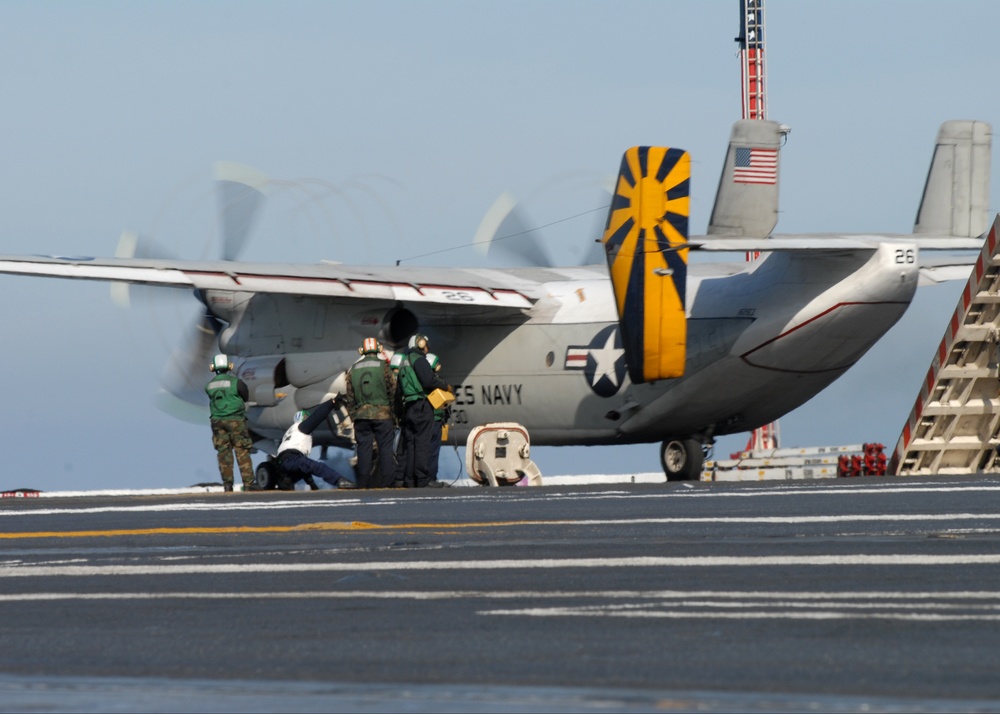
[606,358]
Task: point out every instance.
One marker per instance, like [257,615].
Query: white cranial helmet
[221,363]
[419,341]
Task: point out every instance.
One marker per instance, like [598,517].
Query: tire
[266,475]
[682,459]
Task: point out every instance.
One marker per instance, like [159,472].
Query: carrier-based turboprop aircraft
[648,348]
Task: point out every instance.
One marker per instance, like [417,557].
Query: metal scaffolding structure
[952,428]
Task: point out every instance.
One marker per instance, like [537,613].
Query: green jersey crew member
[417,380]
[371,391]
[227,396]
[440,419]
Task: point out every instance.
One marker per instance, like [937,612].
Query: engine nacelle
[264,377]
[397,326]
[269,423]
[308,368]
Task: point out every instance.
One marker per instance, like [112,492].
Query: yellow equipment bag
[439,398]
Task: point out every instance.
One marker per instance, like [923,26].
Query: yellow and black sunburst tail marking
[646,244]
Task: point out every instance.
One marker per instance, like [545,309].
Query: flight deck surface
[848,595]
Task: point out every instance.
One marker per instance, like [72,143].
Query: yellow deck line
[332,526]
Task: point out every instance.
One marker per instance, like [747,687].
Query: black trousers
[418,428]
[297,466]
[435,454]
[366,433]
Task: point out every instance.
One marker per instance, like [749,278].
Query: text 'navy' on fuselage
[489,394]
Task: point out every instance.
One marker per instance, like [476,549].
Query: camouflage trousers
[229,436]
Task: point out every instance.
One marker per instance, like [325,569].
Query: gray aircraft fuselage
[761,342]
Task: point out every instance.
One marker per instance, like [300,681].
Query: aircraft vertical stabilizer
[957,193]
[645,241]
[746,204]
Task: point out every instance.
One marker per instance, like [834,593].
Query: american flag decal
[755,166]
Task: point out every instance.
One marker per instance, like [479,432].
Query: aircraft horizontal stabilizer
[830,242]
[645,242]
[936,274]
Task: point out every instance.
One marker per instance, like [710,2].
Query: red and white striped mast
[754,78]
[754,95]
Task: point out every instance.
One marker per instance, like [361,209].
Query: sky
[389,129]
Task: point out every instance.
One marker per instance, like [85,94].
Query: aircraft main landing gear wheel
[266,476]
[682,459]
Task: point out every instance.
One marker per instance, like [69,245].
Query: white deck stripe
[688,599]
[784,519]
[775,615]
[750,520]
[225,504]
[857,560]
[949,607]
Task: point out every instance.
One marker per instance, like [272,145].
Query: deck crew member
[397,410]
[227,396]
[295,447]
[440,420]
[371,391]
[417,380]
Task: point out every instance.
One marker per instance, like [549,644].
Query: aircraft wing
[515,289]
[508,290]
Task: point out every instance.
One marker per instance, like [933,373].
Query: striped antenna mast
[754,95]
[752,69]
